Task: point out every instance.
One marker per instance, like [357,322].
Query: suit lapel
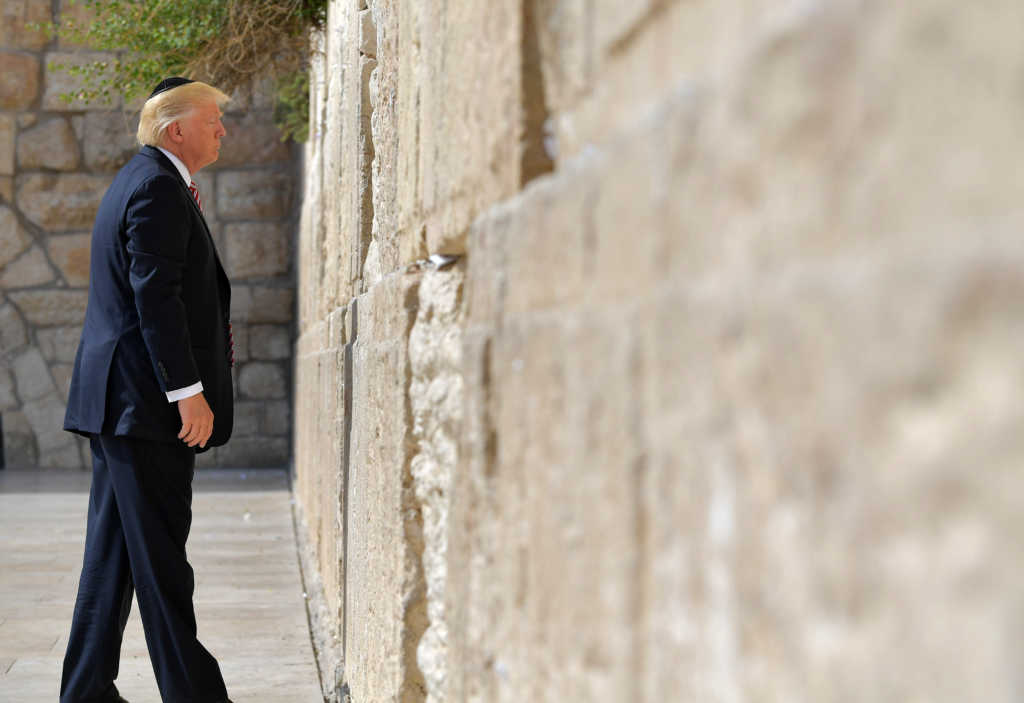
[155,153]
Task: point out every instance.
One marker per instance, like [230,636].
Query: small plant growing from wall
[232,44]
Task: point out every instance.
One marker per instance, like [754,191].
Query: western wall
[663,351]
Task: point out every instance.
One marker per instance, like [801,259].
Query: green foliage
[291,113]
[229,43]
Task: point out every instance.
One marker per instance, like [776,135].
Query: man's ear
[174,133]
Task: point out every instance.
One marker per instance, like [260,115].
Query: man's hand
[196,420]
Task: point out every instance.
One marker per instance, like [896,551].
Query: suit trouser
[140,512]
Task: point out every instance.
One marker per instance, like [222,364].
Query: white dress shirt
[196,388]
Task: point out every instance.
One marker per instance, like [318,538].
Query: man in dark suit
[151,387]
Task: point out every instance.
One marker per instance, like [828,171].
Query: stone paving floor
[249,600]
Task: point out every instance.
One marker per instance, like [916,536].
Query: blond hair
[172,105]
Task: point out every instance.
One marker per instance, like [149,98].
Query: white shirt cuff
[187,392]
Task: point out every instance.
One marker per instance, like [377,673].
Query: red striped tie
[194,190]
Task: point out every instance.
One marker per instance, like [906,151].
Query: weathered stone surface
[29,269]
[8,400]
[269,342]
[249,194]
[247,417]
[71,255]
[61,202]
[261,380]
[32,375]
[384,561]
[763,318]
[109,139]
[49,308]
[254,452]
[59,343]
[13,334]
[51,144]
[251,139]
[262,304]
[277,418]
[20,449]
[19,80]
[8,130]
[46,417]
[7,189]
[256,249]
[67,456]
[367,33]
[62,379]
[436,394]
[15,21]
[59,83]
[13,239]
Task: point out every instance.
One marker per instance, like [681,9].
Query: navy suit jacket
[157,317]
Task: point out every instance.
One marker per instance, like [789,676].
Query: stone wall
[56,161]
[719,400]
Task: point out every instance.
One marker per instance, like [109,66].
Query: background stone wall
[56,161]
[721,399]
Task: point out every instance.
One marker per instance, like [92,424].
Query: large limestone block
[257,249]
[19,80]
[45,415]
[632,196]
[269,342]
[6,189]
[262,304]
[51,145]
[29,269]
[247,417]
[546,260]
[253,194]
[251,139]
[61,202]
[8,130]
[262,380]
[445,147]
[385,543]
[32,376]
[649,49]
[109,140]
[60,83]
[59,344]
[13,239]
[254,452]
[15,19]
[71,254]
[277,418]
[51,308]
